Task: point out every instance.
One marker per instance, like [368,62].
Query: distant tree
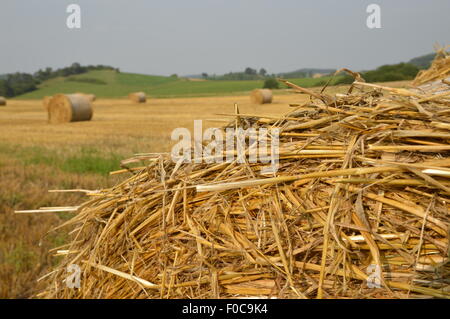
[205,75]
[76,68]
[19,83]
[42,75]
[3,88]
[262,72]
[271,83]
[174,76]
[391,72]
[250,71]
[424,61]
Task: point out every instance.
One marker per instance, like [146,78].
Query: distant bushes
[16,84]
[271,83]
[424,61]
[249,74]
[74,69]
[385,73]
[394,72]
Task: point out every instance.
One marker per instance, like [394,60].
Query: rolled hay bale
[261,96]
[46,101]
[137,97]
[2,101]
[69,108]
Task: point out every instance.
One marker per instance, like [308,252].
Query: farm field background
[36,157]
[111,84]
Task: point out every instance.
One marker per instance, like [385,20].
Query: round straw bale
[261,96]
[69,108]
[2,101]
[137,97]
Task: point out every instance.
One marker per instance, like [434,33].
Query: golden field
[36,157]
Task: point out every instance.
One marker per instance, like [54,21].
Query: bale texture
[69,108]
[2,101]
[137,97]
[261,96]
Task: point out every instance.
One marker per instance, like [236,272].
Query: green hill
[112,84]
[103,83]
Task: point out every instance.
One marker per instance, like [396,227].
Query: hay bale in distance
[137,97]
[261,96]
[69,108]
[2,101]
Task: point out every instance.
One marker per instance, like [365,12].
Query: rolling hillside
[110,84]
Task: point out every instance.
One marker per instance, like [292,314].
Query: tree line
[247,75]
[18,83]
[384,73]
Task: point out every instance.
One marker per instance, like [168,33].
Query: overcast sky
[218,36]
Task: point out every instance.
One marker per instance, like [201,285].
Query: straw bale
[261,96]
[69,108]
[137,97]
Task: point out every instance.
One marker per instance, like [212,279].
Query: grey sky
[218,36]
